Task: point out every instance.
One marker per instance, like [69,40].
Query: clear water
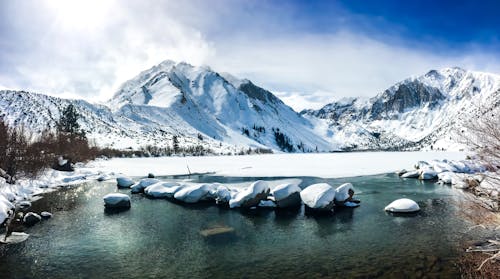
[159,238]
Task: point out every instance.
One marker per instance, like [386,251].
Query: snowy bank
[470,175]
[25,189]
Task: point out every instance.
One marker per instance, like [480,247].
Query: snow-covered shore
[50,180]
[327,165]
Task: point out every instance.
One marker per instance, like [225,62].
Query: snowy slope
[416,113]
[177,96]
[195,104]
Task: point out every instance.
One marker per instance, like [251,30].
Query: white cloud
[89,49]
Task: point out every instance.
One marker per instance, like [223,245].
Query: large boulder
[342,192]
[193,193]
[124,182]
[222,195]
[142,184]
[402,206]
[428,174]
[319,196]
[251,196]
[116,200]
[286,195]
[160,190]
[63,164]
[31,218]
[411,174]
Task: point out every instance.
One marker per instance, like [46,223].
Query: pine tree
[175,144]
[68,123]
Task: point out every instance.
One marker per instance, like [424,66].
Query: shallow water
[158,238]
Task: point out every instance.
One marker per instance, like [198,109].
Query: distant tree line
[283,142]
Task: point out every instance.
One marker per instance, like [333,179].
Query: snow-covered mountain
[227,114]
[196,104]
[421,112]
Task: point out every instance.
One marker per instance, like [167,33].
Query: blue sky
[307,52]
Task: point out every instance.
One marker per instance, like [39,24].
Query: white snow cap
[123,181]
[258,187]
[284,190]
[342,192]
[160,190]
[318,195]
[403,206]
[193,194]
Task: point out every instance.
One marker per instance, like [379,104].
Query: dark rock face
[64,167]
[292,200]
[120,204]
[255,92]
[406,96]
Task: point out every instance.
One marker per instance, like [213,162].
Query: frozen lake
[326,165]
[159,238]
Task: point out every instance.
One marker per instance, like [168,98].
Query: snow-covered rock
[402,206]
[160,190]
[286,195]
[31,218]
[24,203]
[103,177]
[251,196]
[222,195]
[124,182]
[446,177]
[116,200]
[411,174]
[342,192]
[318,196]
[45,214]
[193,193]
[142,184]
[428,174]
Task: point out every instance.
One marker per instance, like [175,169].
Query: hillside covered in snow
[196,104]
[226,114]
[424,112]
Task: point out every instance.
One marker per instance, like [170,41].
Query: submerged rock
[402,206]
[217,231]
[116,200]
[31,218]
[15,237]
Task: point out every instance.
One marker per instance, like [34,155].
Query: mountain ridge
[228,114]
